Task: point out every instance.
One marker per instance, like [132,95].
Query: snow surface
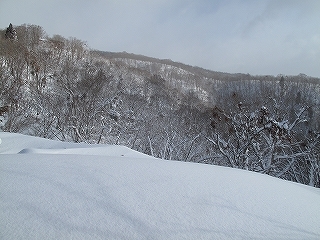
[56,190]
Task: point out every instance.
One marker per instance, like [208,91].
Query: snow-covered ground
[55,190]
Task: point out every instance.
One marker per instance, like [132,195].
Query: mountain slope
[55,190]
[60,89]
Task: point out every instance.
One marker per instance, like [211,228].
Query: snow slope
[55,190]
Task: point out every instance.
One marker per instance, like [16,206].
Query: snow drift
[56,190]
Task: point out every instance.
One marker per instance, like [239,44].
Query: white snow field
[56,190]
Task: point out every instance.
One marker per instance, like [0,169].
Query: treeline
[59,88]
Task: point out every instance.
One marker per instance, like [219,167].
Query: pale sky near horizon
[260,37]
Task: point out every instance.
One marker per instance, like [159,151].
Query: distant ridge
[201,72]
[194,69]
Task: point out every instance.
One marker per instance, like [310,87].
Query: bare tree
[261,141]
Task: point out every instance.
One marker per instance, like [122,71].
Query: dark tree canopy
[10,32]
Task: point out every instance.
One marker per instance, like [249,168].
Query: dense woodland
[59,88]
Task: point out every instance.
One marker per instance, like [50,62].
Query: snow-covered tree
[264,140]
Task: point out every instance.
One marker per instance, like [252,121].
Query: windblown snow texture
[55,190]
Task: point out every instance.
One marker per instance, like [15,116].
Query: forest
[58,88]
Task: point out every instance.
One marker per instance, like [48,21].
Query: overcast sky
[248,36]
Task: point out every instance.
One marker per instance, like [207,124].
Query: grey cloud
[258,37]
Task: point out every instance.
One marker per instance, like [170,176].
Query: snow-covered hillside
[55,190]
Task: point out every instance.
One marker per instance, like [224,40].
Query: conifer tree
[11,32]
